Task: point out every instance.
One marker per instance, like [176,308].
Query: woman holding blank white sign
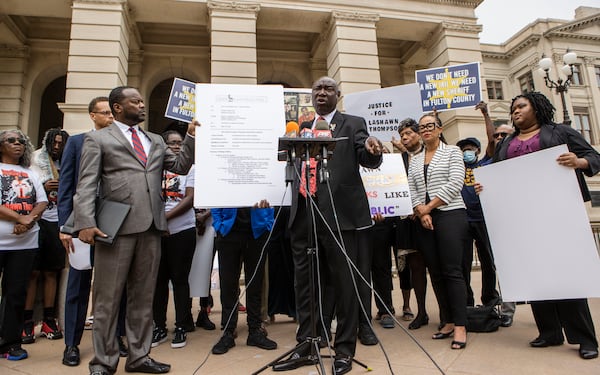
[532,115]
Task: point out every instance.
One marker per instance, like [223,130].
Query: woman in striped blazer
[435,178]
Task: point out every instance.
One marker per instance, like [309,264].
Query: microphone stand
[316,147]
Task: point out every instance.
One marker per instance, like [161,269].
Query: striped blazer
[445,177]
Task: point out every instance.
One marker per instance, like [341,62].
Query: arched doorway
[159,97]
[50,115]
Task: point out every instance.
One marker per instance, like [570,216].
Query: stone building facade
[55,55]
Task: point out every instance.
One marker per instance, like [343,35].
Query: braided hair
[50,136]
[544,110]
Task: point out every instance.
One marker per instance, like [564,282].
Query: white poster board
[237,144]
[202,263]
[539,229]
[387,187]
[383,109]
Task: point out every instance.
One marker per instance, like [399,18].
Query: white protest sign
[383,109]
[387,187]
[539,229]
[237,145]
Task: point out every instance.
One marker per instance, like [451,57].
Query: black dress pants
[233,250]
[15,268]
[443,249]
[489,294]
[573,315]
[336,271]
[177,253]
[382,237]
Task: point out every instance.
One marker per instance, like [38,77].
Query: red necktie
[312,186]
[313,178]
[137,146]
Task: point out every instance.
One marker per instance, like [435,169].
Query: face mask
[469,156]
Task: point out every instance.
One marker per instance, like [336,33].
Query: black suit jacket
[350,198]
[554,135]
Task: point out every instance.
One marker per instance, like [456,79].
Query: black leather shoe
[259,339]
[71,356]
[506,321]
[542,343]
[203,321]
[366,335]
[296,360]
[420,320]
[123,350]
[150,366]
[99,372]
[342,365]
[588,353]
[225,343]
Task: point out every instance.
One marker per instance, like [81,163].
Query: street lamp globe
[570,57]
[545,63]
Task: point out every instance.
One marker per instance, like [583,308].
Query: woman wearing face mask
[435,178]
[477,229]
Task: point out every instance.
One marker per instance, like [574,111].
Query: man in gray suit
[123,163]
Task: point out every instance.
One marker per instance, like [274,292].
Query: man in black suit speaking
[350,207]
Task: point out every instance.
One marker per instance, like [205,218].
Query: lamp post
[561,86]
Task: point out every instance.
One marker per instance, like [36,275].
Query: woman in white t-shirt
[22,202]
[177,252]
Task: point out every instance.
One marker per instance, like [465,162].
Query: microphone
[322,131]
[292,129]
[306,132]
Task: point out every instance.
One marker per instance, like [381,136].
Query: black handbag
[482,318]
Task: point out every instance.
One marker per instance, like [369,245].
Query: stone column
[13,62]
[351,45]
[233,41]
[98,57]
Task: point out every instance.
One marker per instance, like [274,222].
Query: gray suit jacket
[108,161]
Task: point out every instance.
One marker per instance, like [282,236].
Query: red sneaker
[50,329]
[28,335]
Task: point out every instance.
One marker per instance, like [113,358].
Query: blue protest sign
[449,87]
[182,101]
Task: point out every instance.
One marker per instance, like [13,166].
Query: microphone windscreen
[306,132]
[292,126]
[321,125]
[306,125]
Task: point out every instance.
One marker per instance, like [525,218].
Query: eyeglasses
[428,126]
[500,135]
[105,113]
[12,140]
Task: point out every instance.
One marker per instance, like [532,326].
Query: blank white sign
[539,229]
